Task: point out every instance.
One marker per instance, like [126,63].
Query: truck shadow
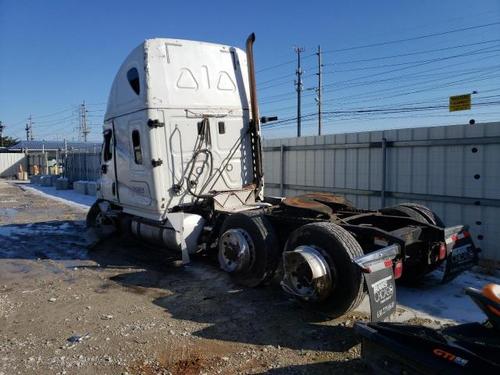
[352,366]
[262,316]
[201,293]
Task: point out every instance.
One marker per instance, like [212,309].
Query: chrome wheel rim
[307,274]
[236,250]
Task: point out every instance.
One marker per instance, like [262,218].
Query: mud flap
[382,294]
[379,278]
[461,254]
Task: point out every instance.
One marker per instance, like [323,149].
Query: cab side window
[106,152]
[133,80]
[136,145]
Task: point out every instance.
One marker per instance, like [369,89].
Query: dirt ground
[122,308]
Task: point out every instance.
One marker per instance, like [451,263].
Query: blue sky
[55,54]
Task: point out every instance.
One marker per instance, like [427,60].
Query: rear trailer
[181,168]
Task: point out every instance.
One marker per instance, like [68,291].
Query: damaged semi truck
[181,168]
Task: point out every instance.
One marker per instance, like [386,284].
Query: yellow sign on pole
[460,103]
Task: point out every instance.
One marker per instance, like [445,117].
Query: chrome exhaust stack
[254,120]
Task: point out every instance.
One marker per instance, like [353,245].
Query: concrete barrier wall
[455,170]
[10,162]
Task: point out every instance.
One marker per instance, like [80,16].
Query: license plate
[462,254]
[462,258]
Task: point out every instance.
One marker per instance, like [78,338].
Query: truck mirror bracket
[155,124]
[156,162]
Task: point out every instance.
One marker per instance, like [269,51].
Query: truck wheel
[418,267]
[319,269]
[96,221]
[248,248]
[429,215]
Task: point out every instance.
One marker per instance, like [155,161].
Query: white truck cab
[177,128]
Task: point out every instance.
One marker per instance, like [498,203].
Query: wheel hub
[307,274]
[236,250]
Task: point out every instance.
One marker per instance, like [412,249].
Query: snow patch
[69,197]
[446,303]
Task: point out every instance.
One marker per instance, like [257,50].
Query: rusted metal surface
[329,198]
[324,203]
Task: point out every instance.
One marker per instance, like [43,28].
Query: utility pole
[84,130]
[298,83]
[29,129]
[2,127]
[318,90]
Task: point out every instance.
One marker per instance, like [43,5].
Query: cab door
[133,162]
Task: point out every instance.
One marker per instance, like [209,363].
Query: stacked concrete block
[35,179]
[46,180]
[62,183]
[80,187]
[53,179]
[92,188]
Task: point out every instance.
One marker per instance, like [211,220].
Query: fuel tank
[167,236]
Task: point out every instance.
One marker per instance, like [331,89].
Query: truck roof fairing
[180,74]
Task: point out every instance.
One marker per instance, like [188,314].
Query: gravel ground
[123,308]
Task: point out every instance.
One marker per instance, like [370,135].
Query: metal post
[282,170]
[319,89]
[1,133]
[45,164]
[384,172]
[299,89]
[84,129]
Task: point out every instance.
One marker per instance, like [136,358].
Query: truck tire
[415,271]
[430,216]
[100,225]
[248,248]
[339,248]
[94,211]
[401,210]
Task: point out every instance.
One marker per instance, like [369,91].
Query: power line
[373,110]
[57,120]
[413,53]
[277,78]
[428,88]
[419,63]
[383,43]
[275,66]
[426,62]
[53,113]
[413,38]
[387,65]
